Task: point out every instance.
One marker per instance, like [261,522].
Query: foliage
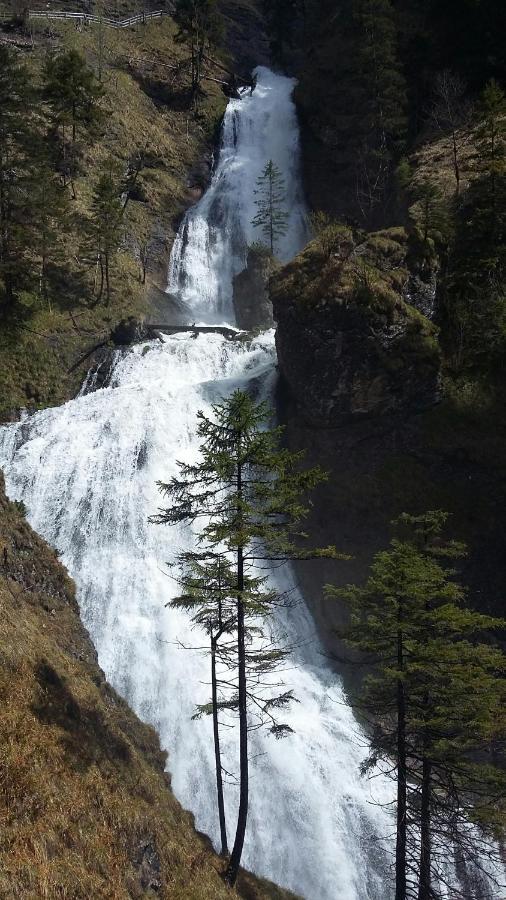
[271,216]
[18,135]
[73,93]
[475,300]
[200,27]
[105,228]
[247,494]
[436,697]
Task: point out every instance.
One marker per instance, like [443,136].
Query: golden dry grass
[86,809]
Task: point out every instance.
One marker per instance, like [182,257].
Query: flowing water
[87,473]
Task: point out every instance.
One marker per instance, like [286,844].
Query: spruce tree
[271,217]
[105,228]
[50,214]
[474,326]
[18,138]
[73,96]
[247,493]
[72,92]
[200,27]
[379,94]
[434,699]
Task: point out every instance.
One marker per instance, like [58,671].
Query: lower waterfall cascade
[87,473]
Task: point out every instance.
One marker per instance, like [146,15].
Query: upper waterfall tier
[212,243]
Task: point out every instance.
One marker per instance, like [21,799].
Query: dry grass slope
[86,809]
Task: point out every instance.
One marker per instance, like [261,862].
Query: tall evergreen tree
[18,137]
[247,493]
[72,92]
[475,300]
[380,96]
[200,27]
[434,698]
[271,217]
[73,95]
[105,228]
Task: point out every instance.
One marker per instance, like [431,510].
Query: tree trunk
[107,285]
[217,750]
[456,167]
[235,859]
[400,849]
[101,288]
[424,887]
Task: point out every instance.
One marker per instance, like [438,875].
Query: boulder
[349,345]
[252,303]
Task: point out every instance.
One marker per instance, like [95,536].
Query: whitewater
[87,473]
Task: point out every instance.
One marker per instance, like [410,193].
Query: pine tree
[18,137]
[247,493]
[475,300]
[200,27]
[208,582]
[73,95]
[379,95]
[430,212]
[105,228]
[271,217]
[50,214]
[434,700]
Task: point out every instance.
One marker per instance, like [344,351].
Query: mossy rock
[348,342]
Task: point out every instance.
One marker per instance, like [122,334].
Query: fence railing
[87,17]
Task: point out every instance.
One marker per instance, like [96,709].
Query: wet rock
[128,331]
[252,303]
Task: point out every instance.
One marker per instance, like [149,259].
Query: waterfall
[87,474]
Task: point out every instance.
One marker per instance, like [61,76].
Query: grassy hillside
[85,804]
[148,111]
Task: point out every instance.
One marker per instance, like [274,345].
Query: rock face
[252,303]
[349,345]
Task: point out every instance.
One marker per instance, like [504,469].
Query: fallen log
[230,333]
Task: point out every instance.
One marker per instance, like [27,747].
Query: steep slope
[85,804]
[148,116]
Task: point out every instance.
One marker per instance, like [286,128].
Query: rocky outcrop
[252,303]
[349,345]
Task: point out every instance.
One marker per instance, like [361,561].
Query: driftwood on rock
[230,333]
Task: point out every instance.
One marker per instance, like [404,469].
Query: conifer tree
[18,137]
[430,212]
[271,217]
[207,581]
[105,228]
[200,26]
[379,94]
[73,95]
[434,700]
[475,301]
[72,92]
[247,492]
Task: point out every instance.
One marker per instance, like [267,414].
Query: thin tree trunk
[424,887]
[217,750]
[101,288]
[107,285]
[400,849]
[235,859]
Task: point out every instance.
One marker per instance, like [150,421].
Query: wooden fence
[86,17]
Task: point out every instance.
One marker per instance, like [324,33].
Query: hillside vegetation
[148,121]
[85,803]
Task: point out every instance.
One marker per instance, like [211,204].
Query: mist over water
[87,473]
